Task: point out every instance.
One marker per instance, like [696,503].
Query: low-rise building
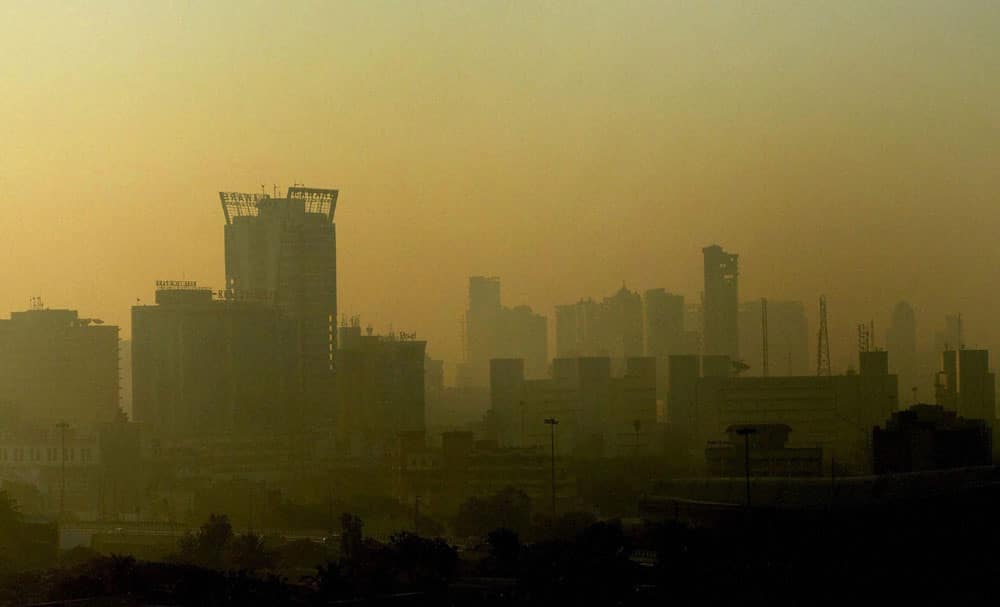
[929,437]
[597,414]
[769,455]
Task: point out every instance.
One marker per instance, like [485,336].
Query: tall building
[663,318]
[493,330]
[664,324]
[623,324]
[787,338]
[56,366]
[284,251]
[381,389]
[577,331]
[206,366]
[482,318]
[612,328]
[901,342]
[721,328]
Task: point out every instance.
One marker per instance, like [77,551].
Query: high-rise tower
[721,307]
[284,251]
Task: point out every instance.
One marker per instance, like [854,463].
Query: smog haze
[846,149]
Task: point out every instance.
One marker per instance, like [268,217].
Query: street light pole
[552,422]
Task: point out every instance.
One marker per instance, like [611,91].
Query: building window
[18,454]
[84,455]
[3,455]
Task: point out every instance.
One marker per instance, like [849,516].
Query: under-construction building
[284,251]
[721,306]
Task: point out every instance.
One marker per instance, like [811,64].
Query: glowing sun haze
[848,148]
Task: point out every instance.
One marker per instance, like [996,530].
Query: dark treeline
[931,550]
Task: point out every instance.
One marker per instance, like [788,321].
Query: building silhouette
[380,390]
[901,342]
[600,412]
[58,367]
[663,318]
[205,365]
[721,328]
[613,328]
[578,329]
[284,251]
[966,385]
[493,330]
[835,414]
[930,437]
[768,451]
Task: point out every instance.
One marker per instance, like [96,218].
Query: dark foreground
[936,549]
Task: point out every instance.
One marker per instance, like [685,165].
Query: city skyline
[790,134]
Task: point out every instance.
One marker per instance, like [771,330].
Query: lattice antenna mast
[763,337]
[823,343]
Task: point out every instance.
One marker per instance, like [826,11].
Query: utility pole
[552,422]
[63,426]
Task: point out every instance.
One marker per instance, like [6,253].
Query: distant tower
[823,343]
[721,307]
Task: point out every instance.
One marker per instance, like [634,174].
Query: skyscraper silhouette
[721,334]
[284,250]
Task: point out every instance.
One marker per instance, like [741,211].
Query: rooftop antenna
[823,342]
[763,335]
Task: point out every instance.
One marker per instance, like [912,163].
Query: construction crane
[823,343]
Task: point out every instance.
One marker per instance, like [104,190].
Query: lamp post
[552,422]
[745,432]
[63,426]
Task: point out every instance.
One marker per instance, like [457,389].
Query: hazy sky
[847,148]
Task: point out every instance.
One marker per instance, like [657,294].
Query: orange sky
[849,149]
